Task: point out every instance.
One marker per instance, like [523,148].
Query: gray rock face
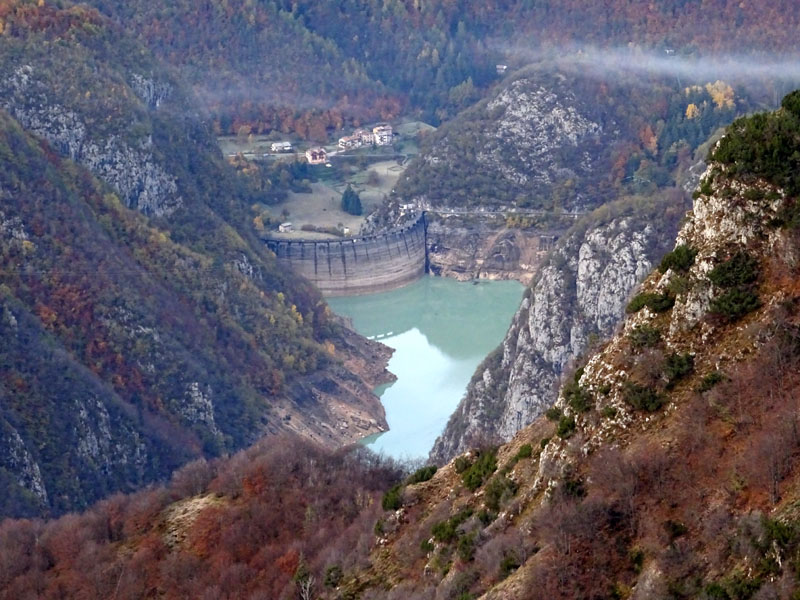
[129,166]
[198,409]
[105,445]
[150,91]
[535,124]
[15,458]
[580,293]
[484,247]
[542,141]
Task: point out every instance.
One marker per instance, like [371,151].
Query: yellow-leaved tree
[721,93]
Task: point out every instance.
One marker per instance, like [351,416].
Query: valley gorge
[187,410]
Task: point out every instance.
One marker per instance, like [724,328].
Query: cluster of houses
[381,135]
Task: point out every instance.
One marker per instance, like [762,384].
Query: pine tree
[351,203]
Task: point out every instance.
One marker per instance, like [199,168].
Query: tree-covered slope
[178,335]
[309,67]
[553,138]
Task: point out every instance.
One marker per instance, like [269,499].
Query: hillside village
[380,135]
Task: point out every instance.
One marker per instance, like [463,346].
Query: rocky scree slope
[578,295]
[668,467]
[138,339]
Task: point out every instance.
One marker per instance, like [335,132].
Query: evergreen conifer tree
[351,203]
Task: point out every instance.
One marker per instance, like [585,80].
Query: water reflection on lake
[440,329]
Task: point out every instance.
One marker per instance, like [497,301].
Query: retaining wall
[358,265]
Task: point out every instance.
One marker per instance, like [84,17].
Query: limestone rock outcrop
[127,163]
[577,296]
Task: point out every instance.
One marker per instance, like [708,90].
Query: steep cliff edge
[578,295]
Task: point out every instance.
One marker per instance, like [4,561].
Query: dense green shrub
[566,427]
[420,475]
[791,103]
[609,412]
[544,442]
[499,488]
[466,547]
[576,396]
[735,303]
[553,413]
[739,269]
[705,186]
[393,499]
[655,302]
[642,397]
[351,202]
[461,464]
[636,555]
[678,284]
[680,259]
[508,564]
[738,274]
[446,531]
[486,517]
[710,380]
[525,451]
[644,336]
[333,576]
[765,146]
[678,366]
[675,529]
[480,470]
[573,487]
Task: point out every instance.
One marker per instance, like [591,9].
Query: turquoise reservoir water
[440,330]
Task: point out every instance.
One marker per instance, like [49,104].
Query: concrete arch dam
[358,265]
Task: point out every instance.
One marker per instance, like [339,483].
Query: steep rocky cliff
[578,295]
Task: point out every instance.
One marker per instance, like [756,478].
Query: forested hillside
[307,67]
[570,139]
[137,339]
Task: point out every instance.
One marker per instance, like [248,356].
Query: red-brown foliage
[261,514]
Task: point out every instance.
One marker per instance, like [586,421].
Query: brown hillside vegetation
[248,527]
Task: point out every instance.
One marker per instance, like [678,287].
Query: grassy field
[322,207]
[372,172]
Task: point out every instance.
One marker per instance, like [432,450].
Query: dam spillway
[358,265]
